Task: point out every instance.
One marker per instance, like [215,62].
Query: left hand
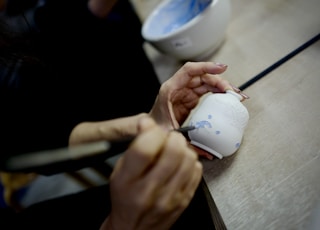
[181,93]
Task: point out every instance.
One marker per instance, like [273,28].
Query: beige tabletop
[273,181]
[260,33]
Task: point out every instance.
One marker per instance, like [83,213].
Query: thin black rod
[280,62]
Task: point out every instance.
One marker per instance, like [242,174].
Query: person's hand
[154,180]
[182,92]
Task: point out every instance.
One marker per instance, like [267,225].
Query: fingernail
[245,96]
[236,89]
[221,65]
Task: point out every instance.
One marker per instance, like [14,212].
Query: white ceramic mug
[220,121]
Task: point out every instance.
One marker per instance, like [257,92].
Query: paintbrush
[70,158]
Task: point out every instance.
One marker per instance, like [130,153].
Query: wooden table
[272,48]
[273,181]
[260,33]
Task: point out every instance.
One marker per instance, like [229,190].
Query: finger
[190,187]
[200,68]
[191,70]
[117,170]
[182,176]
[170,159]
[144,150]
[216,83]
[182,198]
[186,177]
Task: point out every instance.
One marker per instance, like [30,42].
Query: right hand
[154,180]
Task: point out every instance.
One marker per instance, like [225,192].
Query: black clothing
[78,69]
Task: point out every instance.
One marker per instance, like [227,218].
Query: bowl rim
[185,26]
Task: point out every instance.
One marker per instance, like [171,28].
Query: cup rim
[184,27]
[209,150]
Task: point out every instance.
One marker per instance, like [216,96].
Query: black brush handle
[71,158]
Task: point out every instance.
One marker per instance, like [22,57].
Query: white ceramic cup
[220,121]
[186,32]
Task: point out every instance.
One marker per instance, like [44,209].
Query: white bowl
[178,29]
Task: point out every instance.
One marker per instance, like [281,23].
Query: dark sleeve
[32,116]
[81,52]
[60,14]
[71,21]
